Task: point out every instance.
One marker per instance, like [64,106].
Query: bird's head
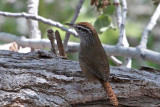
[86,32]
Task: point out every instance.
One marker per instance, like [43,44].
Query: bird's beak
[69,24]
[72,26]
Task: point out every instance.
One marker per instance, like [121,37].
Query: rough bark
[40,78]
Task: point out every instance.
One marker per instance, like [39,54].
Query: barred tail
[111,95]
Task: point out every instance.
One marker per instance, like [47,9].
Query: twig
[38,18]
[59,43]
[50,34]
[74,18]
[137,53]
[151,24]
[116,61]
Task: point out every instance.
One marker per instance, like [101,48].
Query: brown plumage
[92,57]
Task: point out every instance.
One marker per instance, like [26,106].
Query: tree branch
[151,24]
[74,18]
[121,17]
[38,18]
[122,35]
[33,29]
[118,13]
[137,53]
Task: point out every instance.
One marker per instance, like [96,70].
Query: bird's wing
[96,64]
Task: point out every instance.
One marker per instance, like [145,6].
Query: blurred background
[138,16]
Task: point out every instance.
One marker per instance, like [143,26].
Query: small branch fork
[74,18]
[52,36]
[151,24]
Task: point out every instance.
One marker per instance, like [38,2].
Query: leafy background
[139,13]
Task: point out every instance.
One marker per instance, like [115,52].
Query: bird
[93,59]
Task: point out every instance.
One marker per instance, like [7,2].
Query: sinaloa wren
[92,57]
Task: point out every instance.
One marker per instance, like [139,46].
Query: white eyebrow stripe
[85,29]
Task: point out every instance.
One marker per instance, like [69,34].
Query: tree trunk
[40,78]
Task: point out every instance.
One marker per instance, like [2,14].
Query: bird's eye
[78,28]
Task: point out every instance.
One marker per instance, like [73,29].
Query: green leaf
[109,10]
[102,23]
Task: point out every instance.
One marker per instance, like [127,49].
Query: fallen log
[40,78]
